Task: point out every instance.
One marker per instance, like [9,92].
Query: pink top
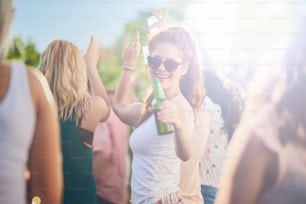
[110,144]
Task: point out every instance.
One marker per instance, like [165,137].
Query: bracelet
[128,69]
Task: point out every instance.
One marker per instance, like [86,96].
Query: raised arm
[100,101]
[128,113]
[45,158]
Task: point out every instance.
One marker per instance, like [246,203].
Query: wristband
[128,69]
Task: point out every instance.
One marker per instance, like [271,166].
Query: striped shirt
[214,153]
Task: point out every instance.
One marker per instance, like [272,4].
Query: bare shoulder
[39,86]
[38,80]
[35,76]
[98,103]
[97,100]
[99,111]
[183,105]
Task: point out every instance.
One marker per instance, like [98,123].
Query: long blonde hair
[63,65]
[6,16]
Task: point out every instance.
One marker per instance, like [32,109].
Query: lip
[161,75]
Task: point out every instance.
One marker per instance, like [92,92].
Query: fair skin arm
[245,171]
[101,104]
[128,113]
[45,160]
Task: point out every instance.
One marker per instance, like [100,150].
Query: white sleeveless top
[17,123]
[155,166]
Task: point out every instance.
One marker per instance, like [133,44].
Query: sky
[43,21]
[238,31]
[243,32]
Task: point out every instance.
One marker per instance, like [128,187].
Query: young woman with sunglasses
[156,159]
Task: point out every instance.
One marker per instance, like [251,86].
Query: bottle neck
[158,91]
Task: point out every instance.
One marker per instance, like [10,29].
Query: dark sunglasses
[170,65]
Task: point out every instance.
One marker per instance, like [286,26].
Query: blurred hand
[157,22]
[131,53]
[92,55]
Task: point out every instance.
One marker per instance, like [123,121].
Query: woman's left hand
[170,113]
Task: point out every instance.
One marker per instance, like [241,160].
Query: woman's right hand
[131,53]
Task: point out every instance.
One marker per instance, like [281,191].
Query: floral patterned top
[214,153]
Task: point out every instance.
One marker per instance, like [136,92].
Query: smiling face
[169,55]
[177,44]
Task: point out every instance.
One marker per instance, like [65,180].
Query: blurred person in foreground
[67,73]
[266,161]
[111,162]
[173,61]
[29,129]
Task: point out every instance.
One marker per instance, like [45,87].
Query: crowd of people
[66,139]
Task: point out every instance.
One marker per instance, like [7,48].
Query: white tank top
[155,166]
[17,123]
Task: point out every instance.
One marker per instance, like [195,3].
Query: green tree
[24,51]
[111,63]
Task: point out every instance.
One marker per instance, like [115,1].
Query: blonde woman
[79,111]
[29,130]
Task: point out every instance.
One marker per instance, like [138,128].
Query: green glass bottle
[159,99]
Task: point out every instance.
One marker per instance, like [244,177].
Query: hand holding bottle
[158,101]
[170,113]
